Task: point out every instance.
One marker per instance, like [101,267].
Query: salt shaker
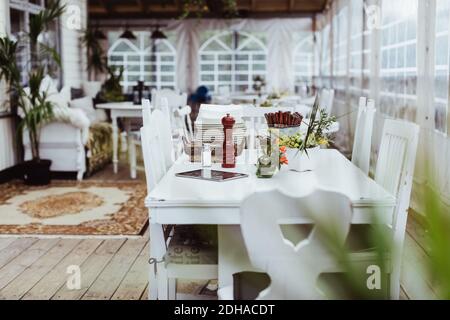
[206,155]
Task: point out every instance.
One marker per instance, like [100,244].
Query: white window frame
[304,60]
[233,83]
[143,60]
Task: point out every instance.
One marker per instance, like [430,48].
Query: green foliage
[438,240]
[39,22]
[9,70]
[34,106]
[97,61]
[224,8]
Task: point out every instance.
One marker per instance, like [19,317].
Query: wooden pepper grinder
[229,158]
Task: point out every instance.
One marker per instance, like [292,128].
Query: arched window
[304,60]
[153,64]
[232,60]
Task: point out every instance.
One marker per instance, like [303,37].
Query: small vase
[302,160]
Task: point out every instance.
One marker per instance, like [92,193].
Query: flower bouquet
[303,147]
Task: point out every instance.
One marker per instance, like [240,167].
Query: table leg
[158,281]
[233,255]
[115,138]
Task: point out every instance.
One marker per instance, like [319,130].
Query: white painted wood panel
[73,55]
[3,19]
[7,145]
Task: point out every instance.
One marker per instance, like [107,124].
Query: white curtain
[280,46]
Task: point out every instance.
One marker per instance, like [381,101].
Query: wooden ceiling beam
[141,4]
[109,7]
[121,9]
[291,5]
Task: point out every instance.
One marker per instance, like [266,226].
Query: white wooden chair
[183,122]
[182,127]
[135,136]
[363,134]
[174,100]
[293,268]
[223,95]
[394,171]
[157,153]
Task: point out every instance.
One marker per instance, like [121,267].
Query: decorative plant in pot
[34,108]
[111,90]
[302,147]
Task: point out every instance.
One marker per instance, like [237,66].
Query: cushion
[87,105]
[76,93]
[49,85]
[248,285]
[65,93]
[59,100]
[193,245]
[92,88]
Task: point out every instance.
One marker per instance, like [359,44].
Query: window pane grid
[155,66]
[221,65]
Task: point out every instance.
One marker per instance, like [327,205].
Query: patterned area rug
[73,209]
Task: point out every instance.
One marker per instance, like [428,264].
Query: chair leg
[163,283]
[394,283]
[172,289]
[80,175]
[132,155]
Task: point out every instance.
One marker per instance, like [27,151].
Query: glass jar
[268,162]
[206,156]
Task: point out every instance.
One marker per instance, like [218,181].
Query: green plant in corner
[35,109]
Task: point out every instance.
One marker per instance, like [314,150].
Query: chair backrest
[395,168]
[294,268]
[182,117]
[326,100]
[216,112]
[174,99]
[363,134]
[146,111]
[157,146]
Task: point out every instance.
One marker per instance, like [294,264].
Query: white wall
[3,19]
[7,147]
[7,138]
[72,54]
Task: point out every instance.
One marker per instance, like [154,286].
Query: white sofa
[64,140]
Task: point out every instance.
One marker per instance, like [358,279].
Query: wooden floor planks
[90,269]
[24,260]
[134,283]
[43,265]
[110,278]
[46,288]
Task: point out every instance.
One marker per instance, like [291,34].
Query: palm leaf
[52,52]
[311,124]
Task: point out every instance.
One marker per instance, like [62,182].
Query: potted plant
[302,148]
[111,90]
[34,108]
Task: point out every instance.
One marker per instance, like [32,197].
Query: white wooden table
[178,200]
[120,110]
